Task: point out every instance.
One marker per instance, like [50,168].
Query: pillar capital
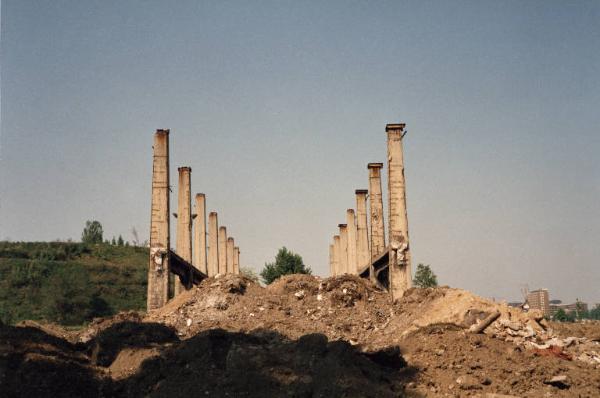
[200,195]
[342,225]
[361,191]
[163,131]
[184,168]
[375,165]
[395,126]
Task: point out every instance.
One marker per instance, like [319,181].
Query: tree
[113,242]
[595,313]
[120,241]
[286,263]
[136,238]
[560,315]
[424,277]
[92,233]
[579,310]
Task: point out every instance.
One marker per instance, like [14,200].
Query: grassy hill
[70,283]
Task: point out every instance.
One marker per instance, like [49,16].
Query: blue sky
[279,106]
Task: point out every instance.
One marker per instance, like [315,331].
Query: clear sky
[278,107]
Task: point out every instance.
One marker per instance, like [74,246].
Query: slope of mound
[306,336]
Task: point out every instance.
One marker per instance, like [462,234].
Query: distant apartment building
[539,300]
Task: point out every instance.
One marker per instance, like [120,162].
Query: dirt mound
[455,362]
[100,324]
[107,344]
[35,363]
[266,364]
[294,283]
[308,336]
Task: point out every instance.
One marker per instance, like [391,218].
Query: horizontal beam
[187,273]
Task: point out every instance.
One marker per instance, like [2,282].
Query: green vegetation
[571,316]
[92,233]
[70,283]
[424,277]
[286,262]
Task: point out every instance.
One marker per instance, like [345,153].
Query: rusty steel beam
[187,273]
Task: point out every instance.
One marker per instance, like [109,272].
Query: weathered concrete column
[213,241]
[158,268]
[362,233]
[236,260]
[352,260]
[184,222]
[343,249]
[200,234]
[331,259]
[400,268]
[222,250]
[336,255]
[230,246]
[376,211]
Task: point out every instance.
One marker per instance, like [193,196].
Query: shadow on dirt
[213,363]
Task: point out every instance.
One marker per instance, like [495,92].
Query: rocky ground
[307,337]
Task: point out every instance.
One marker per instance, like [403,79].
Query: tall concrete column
[400,267]
[184,222]
[352,260]
[376,210]
[222,250]
[236,260]
[230,254]
[343,249]
[213,241]
[158,268]
[200,234]
[331,266]
[336,255]
[362,233]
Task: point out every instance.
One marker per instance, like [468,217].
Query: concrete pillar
[230,246]
[183,245]
[200,234]
[222,250]
[331,259]
[158,268]
[343,249]
[336,255]
[351,225]
[236,260]
[376,210]
[362,235]
[213,242]
[400,268]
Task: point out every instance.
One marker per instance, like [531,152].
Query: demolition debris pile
[305,336]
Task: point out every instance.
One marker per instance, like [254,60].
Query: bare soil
[306,337]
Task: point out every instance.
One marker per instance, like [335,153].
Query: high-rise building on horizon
[539,300]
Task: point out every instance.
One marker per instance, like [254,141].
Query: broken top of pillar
[184,168]
[375,165]
[342,225]
[361,191]
[395,126]
[163,131]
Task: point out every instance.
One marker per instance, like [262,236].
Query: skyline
[278,109]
